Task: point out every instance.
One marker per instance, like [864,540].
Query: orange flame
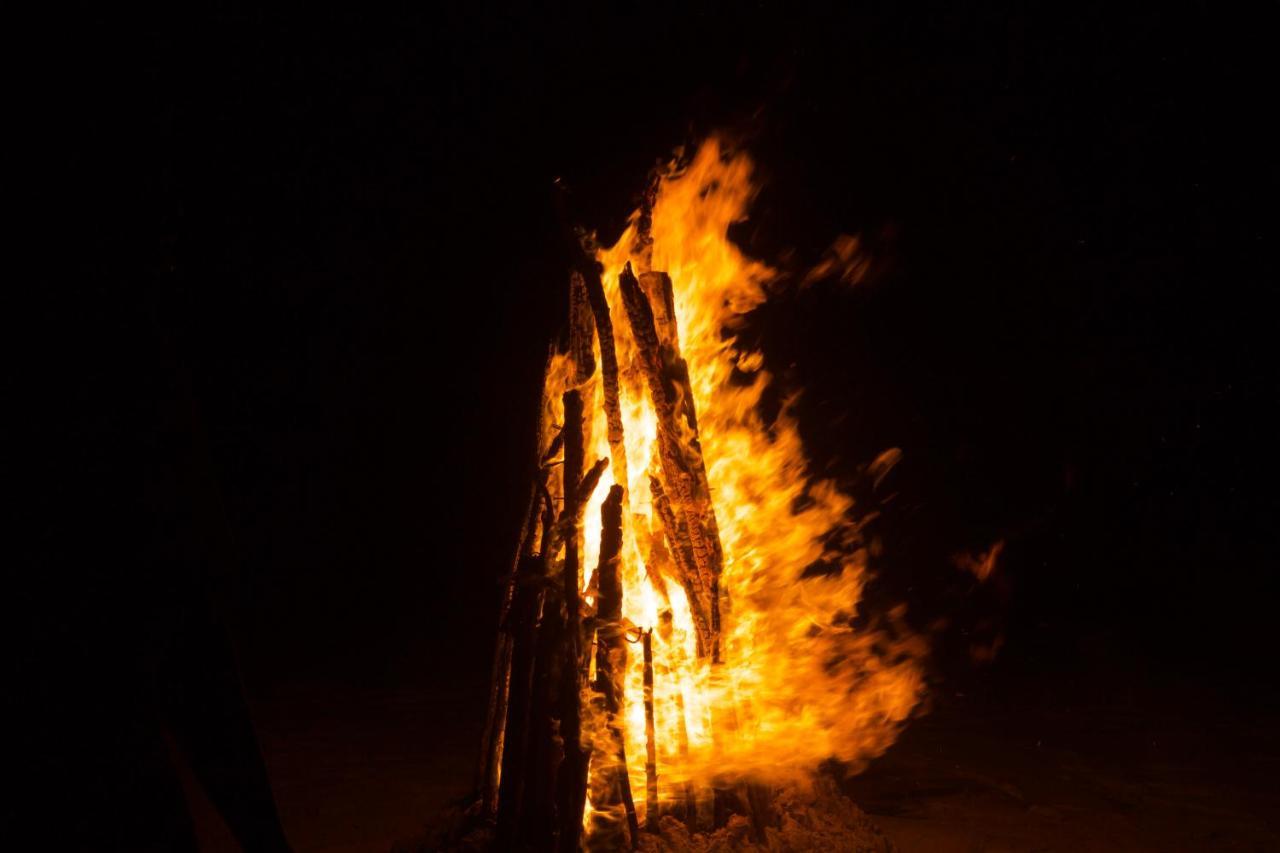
[799,684]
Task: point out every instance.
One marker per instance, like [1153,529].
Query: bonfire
[681,645]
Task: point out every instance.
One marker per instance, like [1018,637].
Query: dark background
[334,238]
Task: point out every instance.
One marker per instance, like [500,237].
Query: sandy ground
[970,779]
[358,769]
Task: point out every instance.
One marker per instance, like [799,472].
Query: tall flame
[799,684]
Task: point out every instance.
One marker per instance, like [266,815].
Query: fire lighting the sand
[677,639]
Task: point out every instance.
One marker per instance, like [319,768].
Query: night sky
[332,243]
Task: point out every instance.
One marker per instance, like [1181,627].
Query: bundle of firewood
[537,762]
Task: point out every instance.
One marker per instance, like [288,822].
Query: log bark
[581,329]
[608,369]
[571,786]
[682,557]
[546,747]
[526,613]
[650,738]
[500,675]
[681,460]
[662,301]
[613,785]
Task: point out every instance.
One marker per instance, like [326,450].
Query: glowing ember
[788,682]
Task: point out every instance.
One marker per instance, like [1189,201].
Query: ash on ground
[816,818]
[820,818]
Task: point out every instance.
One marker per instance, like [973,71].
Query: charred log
[612,786]
[608,370]
[682,556]
[546,746]
[491,746]
[650,739]
[576,757]
[526,613]
[581,330]
[681,461]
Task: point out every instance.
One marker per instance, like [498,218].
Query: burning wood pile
[677,639]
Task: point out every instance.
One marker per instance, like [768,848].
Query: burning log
[581,330]
[557,728]
[612,786]
[682,467]
[573,777]
[650,741]
[682,555]
[594,290]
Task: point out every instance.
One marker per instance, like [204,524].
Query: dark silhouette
[124,664]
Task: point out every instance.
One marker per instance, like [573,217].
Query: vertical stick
[571,794]
[581,330]
[614,784]
[650,742]
[538,826]
[526,612]
[494,737]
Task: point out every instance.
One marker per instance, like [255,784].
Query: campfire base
[817,818]
[820,818]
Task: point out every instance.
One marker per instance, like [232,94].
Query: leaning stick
[650,741]
[526,613]
[682,465]
[581,329]
[611,654]
[576,758]
[594,290]
[491,745]
[682,557]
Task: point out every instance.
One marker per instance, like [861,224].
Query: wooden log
[581,329]
[571,787]
[681,461]
[495,723]
[658,288]
[500,674]
[650,738]
[613,785]
[686,571]
[662,301]
[526,613]
[538,821]
[608,369]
